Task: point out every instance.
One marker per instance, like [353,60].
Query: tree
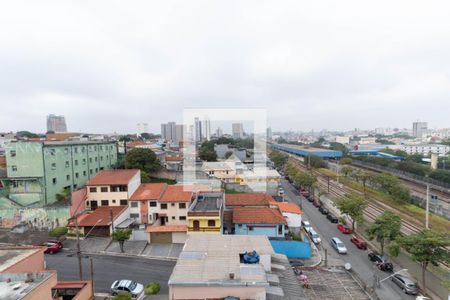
[314,161]
[142,159]
[207,154]
[390,185]
[145,136]
[352,206]
[304,179]
[346,170]
[385,229]
[346,160]
[123,296]
[121,235]
[426,247]
[228,154]
[291,170]
[278,158]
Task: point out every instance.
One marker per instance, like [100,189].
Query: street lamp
[402,270]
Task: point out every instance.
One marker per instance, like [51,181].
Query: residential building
[342,139]
[419,129]
[222,149]
[237,130]
[5,138]
[291,212]
[38,171]
[365,140]
[144,200]
[222,170]
[198,134]
[259,221]
[213,267]
[169,132]
[426,149]
[142,128]
[173,163]
[248,200]
[180,133]
[207,129]
[62,136]
[101,221]
[205,213]
[56,123]
[23,276]
[112,188]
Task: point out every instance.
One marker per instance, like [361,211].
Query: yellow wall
[204,224]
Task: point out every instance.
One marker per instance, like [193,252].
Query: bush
[122,296]
[152,288]
[57,231]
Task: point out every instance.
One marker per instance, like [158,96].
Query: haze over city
[337,65]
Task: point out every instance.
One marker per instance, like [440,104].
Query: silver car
[314,236]
[407,285]
[129,286]
[337,244]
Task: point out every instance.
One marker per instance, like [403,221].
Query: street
[109,268]
[358,259]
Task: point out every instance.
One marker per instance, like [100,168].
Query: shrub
[122,296]
[152,288]
[57,231]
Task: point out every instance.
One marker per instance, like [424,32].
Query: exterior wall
[112,197]
[36,218]
[28,159]
[293,220]
[204,228]
[175,211]
[44,290]
[269,230]
[135,212]
[32,263]
[134,184]
[179,237]
[123,216]
[216,292]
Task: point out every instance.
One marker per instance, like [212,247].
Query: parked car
[310,199]
[314,236]
[332,218]
[296,263]
[338,245]
[323,210]
[316,204]
[57,242]
[129,286]
[381,262]
[343,229]
[306,225]
[360,243]
[407,285]
[52,247]
[304,192]
[375,257]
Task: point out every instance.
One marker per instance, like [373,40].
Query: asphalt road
[107,269]
[361,265]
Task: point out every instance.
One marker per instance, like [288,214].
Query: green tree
[304,179]
[228,154]
[346,170]
[346,160]
[390,185]
[352,206]
[426,247]
[314,161]
[291,170]
[207,154]
[145,136]
[122,296]
[121,235]
[385,229]
[142,159]
[278,158]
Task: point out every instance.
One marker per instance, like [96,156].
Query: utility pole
[80,265]
[92,275]
[427,210]
[111,217]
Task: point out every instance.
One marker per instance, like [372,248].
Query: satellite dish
[347,266]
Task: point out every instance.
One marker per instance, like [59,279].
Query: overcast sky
[313,64]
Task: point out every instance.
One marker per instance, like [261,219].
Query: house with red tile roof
[291,212]
[112,187]
[259,221]
[248,200]
[144,199]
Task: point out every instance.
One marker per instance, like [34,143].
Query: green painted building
[38,171]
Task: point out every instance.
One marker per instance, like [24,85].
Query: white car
[337,244]
[135,289]
[306,226]
[314,236]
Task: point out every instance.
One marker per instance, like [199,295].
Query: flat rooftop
[207,202]
[10,256]
[208,259]
[304,148]
[21,283]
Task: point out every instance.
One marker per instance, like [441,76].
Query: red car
[343,229]
[359,243]
[304,192]
[53,247]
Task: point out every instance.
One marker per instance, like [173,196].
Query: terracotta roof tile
[257,215]
[112,177]
[177,193]
[248,199]
[174,158]
[287,207]
[101,216]
[167,228]
[149,191]
[228,215]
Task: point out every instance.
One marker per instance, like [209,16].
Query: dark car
[360,243]
[316,204]
[386,266]
[381,262]
[310,199]
[332,218]
[407,285]
[323,210]
[375,257]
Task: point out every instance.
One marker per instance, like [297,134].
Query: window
[250,228]
[90,159]
[123,202]
[114,201]
[152,203]
[101,147]
[280,229]
[15,184]
[211,223]
[101,158]
[51,152]
[173,217]
[76,175]
[96,170]
[75,149]
[90,171]
[67,164]
[84,161]
[68,177]
[104,189]
[54,180]
[173,204]
[66,150]
[76,162]
[12,153]
[163,206]
[53,166]
[14,168]
[95,158]
[133,204]
[84,173]
[87,203]
[182,218]
[93,190]
[181,205]
[83,149]
[105,202]
[134,216]
[95,148]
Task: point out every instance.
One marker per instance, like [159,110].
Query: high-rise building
[198,130]
[207,129]
[56,123]
[237,130]
[219,132]
[269,133]
[419,129]
[142,128]
[180,133]
[169,132]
